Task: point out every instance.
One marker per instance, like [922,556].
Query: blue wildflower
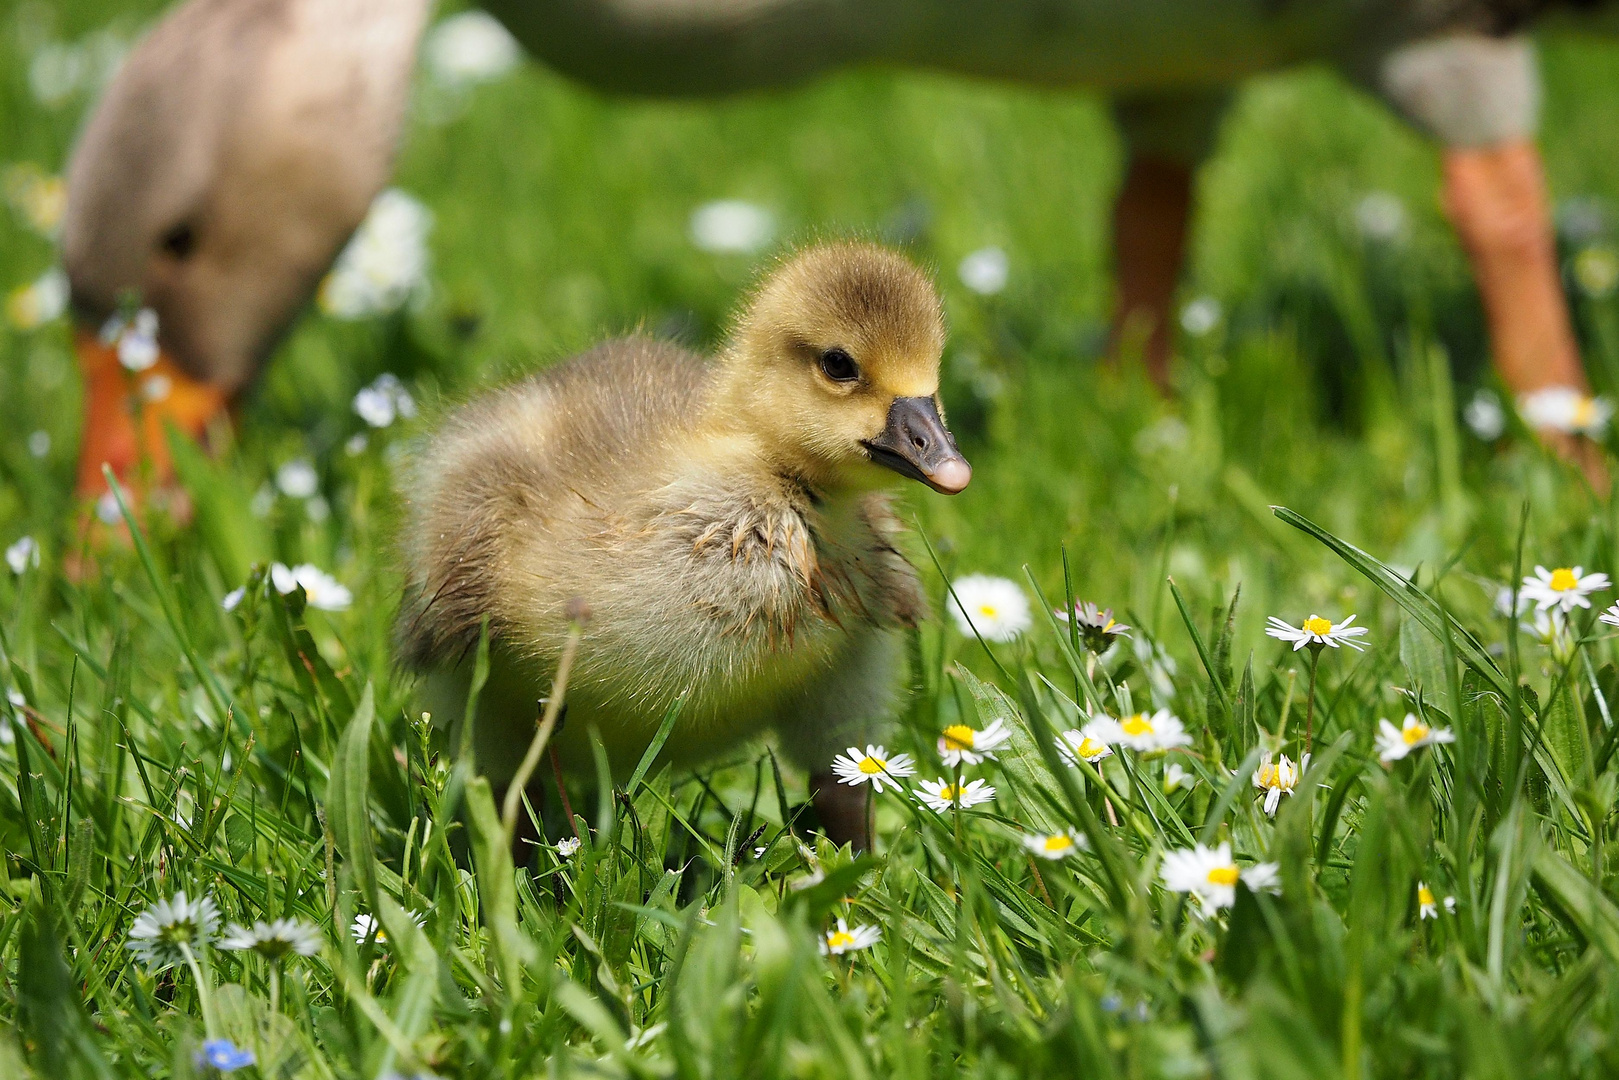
[224,1055]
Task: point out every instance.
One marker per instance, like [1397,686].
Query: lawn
[1451,912]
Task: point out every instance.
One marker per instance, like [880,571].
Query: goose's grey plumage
[722,519]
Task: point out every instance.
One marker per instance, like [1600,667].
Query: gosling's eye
[839,366]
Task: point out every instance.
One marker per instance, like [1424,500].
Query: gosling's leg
[845,811]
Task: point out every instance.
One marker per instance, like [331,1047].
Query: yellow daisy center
[1584,412]
[1268,776]
[1425,895]
[1315,624]
[958,737]
[1224,875]
[1414,734]
[1563,579]
[1089,748]
[1055,844]
[1137,725]
[950,793]
[988,611]
[872,766]
[839,939]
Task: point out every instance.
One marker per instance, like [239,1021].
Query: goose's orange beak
[125,413]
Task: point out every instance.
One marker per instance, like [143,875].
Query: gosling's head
[835,364]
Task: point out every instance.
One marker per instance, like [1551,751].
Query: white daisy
[568,847]
[1484,416]
[1450,905]
[233,599]
[874,765]
[165,930]
[1551,629]
[985,271]
[23,555]
[274,940]
[297,479]
[1087,743]
[383,402]
[134,339]
[1096,626]
[28,307]
[941,796]
[1565,588]
[470,47]
[1145,733]
[1278,779]
[1426,907]
[962,745]
[994,606]
[1201,315]
[1176,778]
[731,227]
[1381,218]
[1394,743]
[1317,632]
[1210,875]
[1566,409]
[364,926]
[1054,845]
[1610,616]
[842,939]
[385,262]
[322,589]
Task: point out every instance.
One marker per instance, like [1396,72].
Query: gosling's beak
[917,444]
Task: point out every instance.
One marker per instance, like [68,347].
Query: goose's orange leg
[1496,198]
[125,414]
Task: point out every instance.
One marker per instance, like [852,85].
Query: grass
[271,758]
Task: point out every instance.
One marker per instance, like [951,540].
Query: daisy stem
[1309,700]
[275,988]
[204,1000]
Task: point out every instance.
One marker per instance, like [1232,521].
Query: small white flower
[1565,588]
[1201,315]
[1484,416]
[731,227]
[135,340]
[1394,743]
[1055,845]
[1088,743]
[107,511]
[39,443]
[1566,409]
[962,745]
[1381,218]
[381,403]
[468,48]
[357,443]
[297,479]
[1504,602]
[874,765]
[1096,626]
[1596,271]
[364,926]
[1176,778]
[985,271]
[385,262]
[843,939]
[1278,779]
[22,555]
[1317,631]
[1610,615]
[322,590]
[1145,733]
[233,599]
[1551,629]
[1426,908]
[274,940]
[1211,875]
[1450,905]
[994,606]
[165,930]
[43,300]
[941,795]
[568,847]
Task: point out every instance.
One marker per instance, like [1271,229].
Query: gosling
[726,522]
